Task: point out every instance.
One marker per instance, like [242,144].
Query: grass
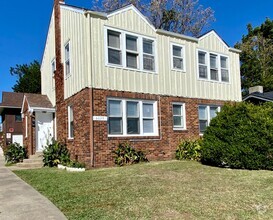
[157,190]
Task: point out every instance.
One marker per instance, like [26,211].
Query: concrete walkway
[19,200]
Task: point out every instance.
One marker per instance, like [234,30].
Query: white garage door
[17,139]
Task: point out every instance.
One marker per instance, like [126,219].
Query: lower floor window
[132,117]
[179,116]
[206,113]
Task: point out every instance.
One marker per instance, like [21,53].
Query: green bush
[76,164]
[14,153]
[125,154]
[56,153]
[189,150]
[241,136]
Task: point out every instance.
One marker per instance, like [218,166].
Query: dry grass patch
[161,190]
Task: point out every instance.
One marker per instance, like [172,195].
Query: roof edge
[173,34]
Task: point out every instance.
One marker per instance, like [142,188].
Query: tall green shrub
[241,136]
[126,154]
[56,153]
[189,150]
[14,153]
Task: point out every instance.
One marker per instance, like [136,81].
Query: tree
[28,77]
[257,57]
[179,16]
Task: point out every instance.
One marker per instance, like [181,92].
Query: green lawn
[157,190]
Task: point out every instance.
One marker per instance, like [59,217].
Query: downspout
[89,75]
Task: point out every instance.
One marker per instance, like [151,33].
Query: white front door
[44,129]
[17,138]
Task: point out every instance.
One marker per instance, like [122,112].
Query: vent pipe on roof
[253,89]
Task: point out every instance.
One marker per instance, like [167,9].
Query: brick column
[59,75]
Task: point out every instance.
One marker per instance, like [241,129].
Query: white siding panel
[74,30]
[49,55]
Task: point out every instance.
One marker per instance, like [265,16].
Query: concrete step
[36,156]
[30,165]
[36,160]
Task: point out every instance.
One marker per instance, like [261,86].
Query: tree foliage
[241,136]
[179,16]
[257,56]
[28,77]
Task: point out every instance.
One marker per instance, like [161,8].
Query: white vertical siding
[78,29]
[74,31]
[166,81]
[49,55]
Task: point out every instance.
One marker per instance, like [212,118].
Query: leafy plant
[241,136]
[189,150]
[76,164]
[125,154]
[56,153]
[14,153]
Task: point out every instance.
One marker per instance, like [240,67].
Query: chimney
[256,89]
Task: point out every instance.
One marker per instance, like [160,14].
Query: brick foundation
[161,147]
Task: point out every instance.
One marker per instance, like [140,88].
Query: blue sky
[24,27]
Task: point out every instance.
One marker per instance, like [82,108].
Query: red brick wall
[79,146]
[157,148]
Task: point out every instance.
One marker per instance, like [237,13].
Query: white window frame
[114,48]
[141,118]
[207,114]
[123,49]
[219,68]
[183,57]
[67,59]
[26,124]
[69,109]
[53,62]
[183,110]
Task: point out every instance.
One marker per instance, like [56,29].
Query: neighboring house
[38,122]
[257,96]
[115,78]
[10,111]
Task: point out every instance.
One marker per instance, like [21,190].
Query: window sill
[180,129]
[178,70]
[130,69]
[214,81]
[70,139]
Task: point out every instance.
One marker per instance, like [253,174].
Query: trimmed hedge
[241,136]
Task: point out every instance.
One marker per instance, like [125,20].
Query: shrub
[14,153]
[76,164]
[125,154]
[55,153]
[241,136]
[189,150]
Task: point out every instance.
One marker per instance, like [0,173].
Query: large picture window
[130,50]
[132,117]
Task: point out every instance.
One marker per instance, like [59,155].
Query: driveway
[18,200]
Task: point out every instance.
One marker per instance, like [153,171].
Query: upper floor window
[130,50]
[53,69]
[178,57]
[206,113]
[132,117]
[67,59]
[114,47]
[179,121]
[212,66]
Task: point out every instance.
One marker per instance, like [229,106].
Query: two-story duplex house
[115,78]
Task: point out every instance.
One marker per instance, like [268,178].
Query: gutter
[160,31]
